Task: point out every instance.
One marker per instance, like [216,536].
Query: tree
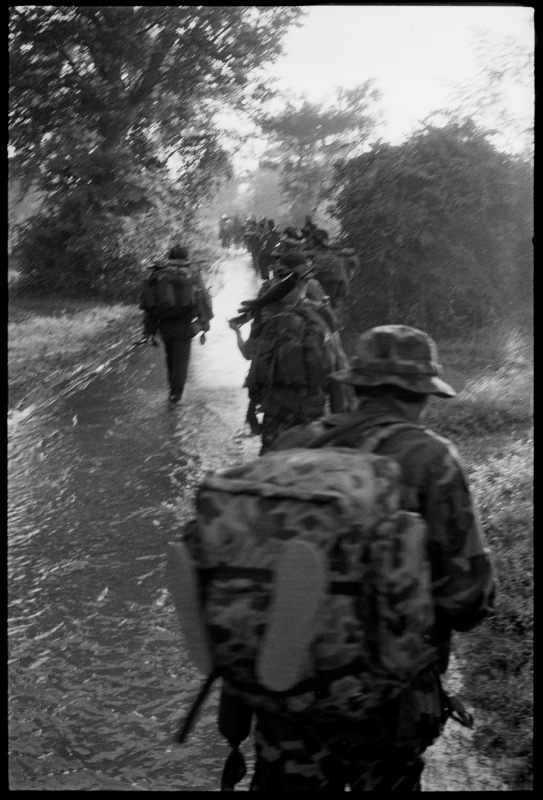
[307,138]
[112,114]
[501,98]
[442,227]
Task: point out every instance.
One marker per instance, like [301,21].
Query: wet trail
[98,484]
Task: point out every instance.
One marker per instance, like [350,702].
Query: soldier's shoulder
[440,444]
[440,455]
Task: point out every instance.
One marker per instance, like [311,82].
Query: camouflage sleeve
[463,582]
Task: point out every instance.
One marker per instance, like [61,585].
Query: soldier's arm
[150,325]
[463,581]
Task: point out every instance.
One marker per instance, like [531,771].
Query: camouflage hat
[398,355]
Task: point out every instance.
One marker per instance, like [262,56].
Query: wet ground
[99,482]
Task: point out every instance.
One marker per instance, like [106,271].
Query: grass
[490,422]
[50,337]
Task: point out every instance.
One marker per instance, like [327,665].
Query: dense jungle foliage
[113,115]
[442,225]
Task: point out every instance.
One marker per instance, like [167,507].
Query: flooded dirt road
[99,482]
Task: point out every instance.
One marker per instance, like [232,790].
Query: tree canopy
[307,138]
[442,227]
[113,111]
[143,76]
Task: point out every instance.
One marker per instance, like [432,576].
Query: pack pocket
[149,297]
[166,295]
[291,368]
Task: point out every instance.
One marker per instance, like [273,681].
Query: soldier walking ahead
[178,306]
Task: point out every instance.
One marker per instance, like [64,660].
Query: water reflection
[98,484]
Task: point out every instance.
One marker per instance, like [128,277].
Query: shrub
[442,225]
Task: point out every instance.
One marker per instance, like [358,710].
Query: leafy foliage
[442,227]
[112,114]
[502,95]
[307,138]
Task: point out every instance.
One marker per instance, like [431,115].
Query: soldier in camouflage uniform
[282,407]
[393,373]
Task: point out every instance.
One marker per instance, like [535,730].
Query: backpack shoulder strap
[384,432]
[380,433]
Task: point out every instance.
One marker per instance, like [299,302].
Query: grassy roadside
[491,424]
[49,338]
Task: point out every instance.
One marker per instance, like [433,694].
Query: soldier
[251,238]
[286,401]
[393,373]
[237,231]
[181,322]
[270,239]
[225,231]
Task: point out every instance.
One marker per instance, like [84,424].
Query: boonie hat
[397,355]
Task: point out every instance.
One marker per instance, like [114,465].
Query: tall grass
[49,336]
[490,421]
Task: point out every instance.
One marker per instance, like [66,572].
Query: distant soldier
[251,238]
[225,231]
[270,240]
[293,347]
[237,231]
[178,306]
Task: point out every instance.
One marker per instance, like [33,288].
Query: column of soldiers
[304,387]
[231,230]
[294,342]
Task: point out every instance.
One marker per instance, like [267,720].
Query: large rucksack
[326,523]
[291,359]
[170,290]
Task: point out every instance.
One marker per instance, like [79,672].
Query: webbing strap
[382,432]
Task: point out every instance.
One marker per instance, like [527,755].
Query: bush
[442,226]
[85,254]
[490,421]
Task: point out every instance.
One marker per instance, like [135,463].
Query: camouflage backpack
[170,289]
[291,362]
[318,535]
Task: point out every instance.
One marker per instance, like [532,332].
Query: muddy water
[99,483]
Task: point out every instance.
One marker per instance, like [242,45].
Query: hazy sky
[412,52]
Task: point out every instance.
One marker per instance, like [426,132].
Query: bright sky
[413,53]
